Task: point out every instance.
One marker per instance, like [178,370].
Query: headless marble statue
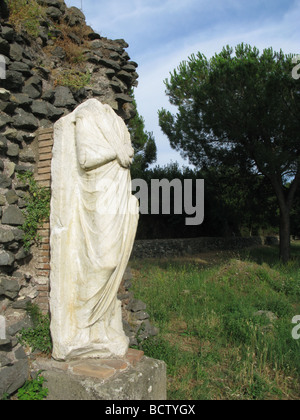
[93,223]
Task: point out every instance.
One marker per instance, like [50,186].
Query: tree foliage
[240,109]
[235,204]
[143,143]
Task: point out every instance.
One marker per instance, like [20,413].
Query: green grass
[214,345]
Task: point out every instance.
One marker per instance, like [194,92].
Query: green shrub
[38,337]
[33,390]
[37,209]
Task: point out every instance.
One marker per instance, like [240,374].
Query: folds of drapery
[93,222]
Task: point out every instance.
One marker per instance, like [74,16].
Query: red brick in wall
[43,176]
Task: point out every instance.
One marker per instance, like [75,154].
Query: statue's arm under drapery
[90,155]
[112,144]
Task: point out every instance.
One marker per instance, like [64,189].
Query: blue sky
[162,33]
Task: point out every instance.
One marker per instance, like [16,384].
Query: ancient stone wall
[47,75]
[163,248]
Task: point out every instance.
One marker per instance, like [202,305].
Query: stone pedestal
[134,377]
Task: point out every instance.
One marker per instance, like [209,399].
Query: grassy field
[215,344]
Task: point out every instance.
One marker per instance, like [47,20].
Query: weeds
[25,15]
[38,337]
[74,50]
[73,79]
[73,41]
[33,390]
[37,209]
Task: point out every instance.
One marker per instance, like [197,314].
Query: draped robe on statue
[93,225]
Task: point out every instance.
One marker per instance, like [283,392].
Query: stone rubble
[136,321]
